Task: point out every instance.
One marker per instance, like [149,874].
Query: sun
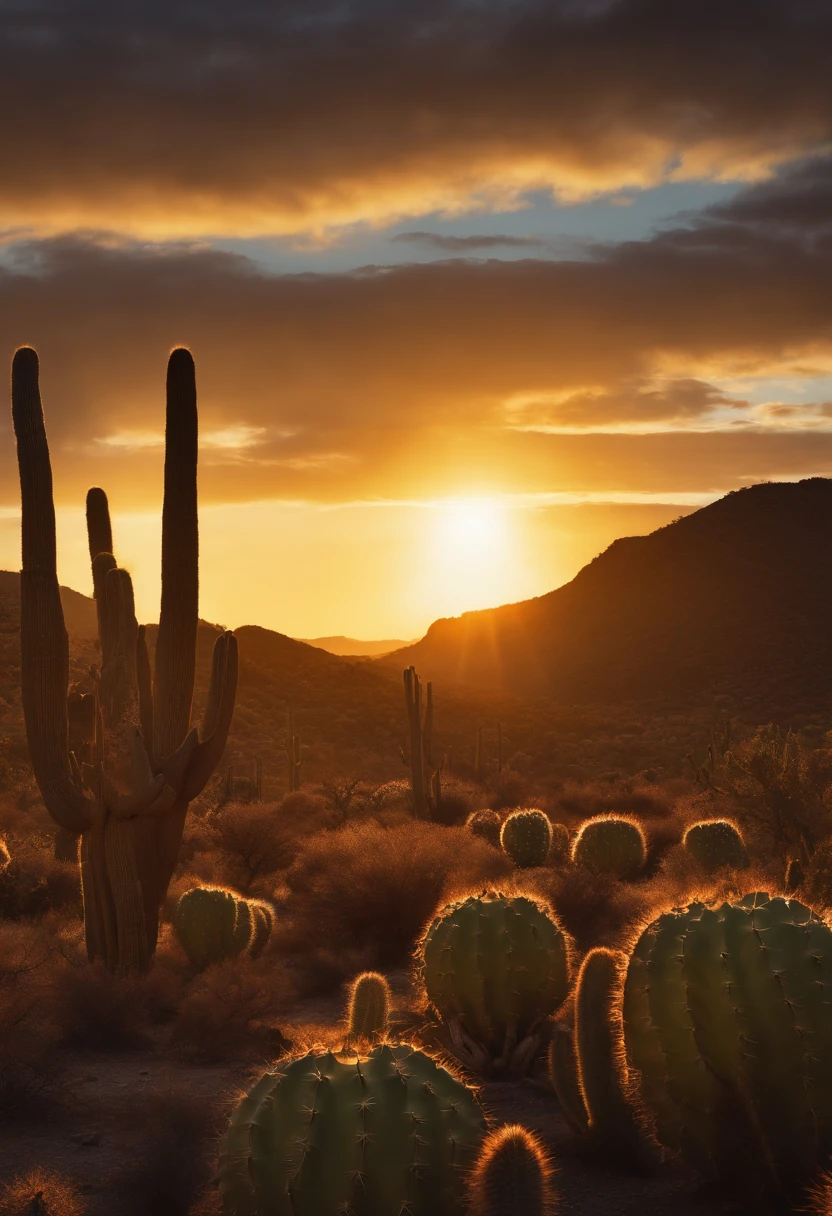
[472,525]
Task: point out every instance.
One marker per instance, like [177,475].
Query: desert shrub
[40,1193]
[305,812]
[33,882]
[371,889]
[507,789]
[395,797]
[594,909]
[229,1008]
[459,799]
[487,825]
[254,839]
[817,884]
[95,1008]
[172,1161]
[29,1029]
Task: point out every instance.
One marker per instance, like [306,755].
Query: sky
[472,287]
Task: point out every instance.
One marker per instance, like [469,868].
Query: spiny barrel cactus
[611,844]
[727,1022]
[126,795]
[494,967]
[716,844]
[512,1176]
[212,925]
[485,824]
[527,837]
[369,1006]
[387,1132]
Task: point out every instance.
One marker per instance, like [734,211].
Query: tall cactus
[126,797]
[726,1022]
[419,746]
[293,755]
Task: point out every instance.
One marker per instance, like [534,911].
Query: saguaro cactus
[726,1020]
[384,1132]
[293,754]
[419,745]
[126,800]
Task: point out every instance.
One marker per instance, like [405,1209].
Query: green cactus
[494,967]
[262,924]
[726,1019]
[527,837]
[485,824]
[212,925]
[794,876]
[561,843]
[369,1006]
[512,1176]
[611,844]
[563,1074]
[716,844]
[375,1134]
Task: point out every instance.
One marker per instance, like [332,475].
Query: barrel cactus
[716,844]
[369,1006]
[212,925]
[494,966]
[485,824]
[527,837]
[384,1132]
[513,1175]
[611,845]
[262,923]
[727,1023]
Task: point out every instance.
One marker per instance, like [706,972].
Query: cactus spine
[374,1134]
[726,1019]
[369,1007]
[494,967]
[212,925]
[611,844]
[485,824]
[526,837]
[512,1176]
[128,800]
[716,844]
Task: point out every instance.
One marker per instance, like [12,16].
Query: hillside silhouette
[733,601]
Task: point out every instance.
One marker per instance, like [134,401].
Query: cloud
[463,245]
[437,378]
[170,119]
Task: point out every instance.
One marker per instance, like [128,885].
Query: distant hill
[354,647]
[733,601]
[79,610]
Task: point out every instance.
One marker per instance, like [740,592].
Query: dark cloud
[463,245]
[406,380]
[177,117]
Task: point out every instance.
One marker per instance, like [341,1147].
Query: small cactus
[212,925]
[485,824]
[527,837]
[512,1176]
[716,844]
[383,1132]
[369,1007]
[602,1069]
[561,843]
[794,876]
[494,968]
[611,844]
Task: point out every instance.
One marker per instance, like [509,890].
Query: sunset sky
[472,288]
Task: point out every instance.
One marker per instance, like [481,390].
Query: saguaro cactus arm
[216,720]
[176,642]
[43,637]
